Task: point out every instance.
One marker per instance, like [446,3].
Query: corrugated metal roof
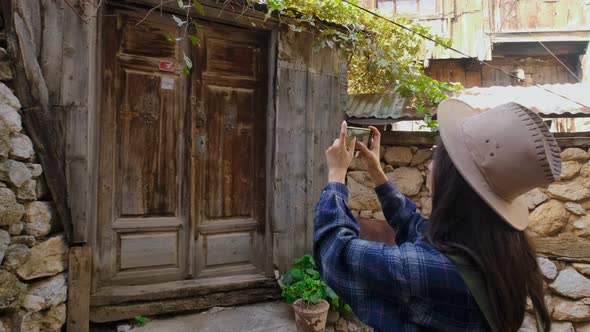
[394,107]
[380,106]
[535,98]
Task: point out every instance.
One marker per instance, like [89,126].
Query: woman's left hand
[339,156]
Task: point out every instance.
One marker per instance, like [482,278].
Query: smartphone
[363,135]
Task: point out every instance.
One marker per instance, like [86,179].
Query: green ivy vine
[382,57]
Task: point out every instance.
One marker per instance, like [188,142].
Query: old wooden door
[230,119]
[182,158]
[143,209]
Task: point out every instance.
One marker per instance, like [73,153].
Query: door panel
[162,246]
[230,179]
[229,94]
[143,230]
[147,147]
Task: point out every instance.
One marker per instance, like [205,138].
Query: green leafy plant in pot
[310,296]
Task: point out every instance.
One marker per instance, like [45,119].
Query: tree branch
[154,8]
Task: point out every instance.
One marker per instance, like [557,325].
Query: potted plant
[309,295]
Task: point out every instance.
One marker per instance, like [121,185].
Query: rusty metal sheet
[394,107]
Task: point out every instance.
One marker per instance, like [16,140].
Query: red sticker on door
[166,66]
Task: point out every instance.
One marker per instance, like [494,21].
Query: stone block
[569,192]
[549,218]
[569,169]
[10,210]
[547,267]
[11,291]
[14,172]
[573,311]
[407,179]
[40,218]
[534,198]
[570,283]
[421,156]
[21,147]
[574,154]
[47,259]
[398,155]
[16,255]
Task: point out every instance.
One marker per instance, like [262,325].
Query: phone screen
[363,135]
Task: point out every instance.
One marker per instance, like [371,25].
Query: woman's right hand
[371,157]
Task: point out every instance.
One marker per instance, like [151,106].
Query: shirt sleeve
[400,213]
[355,268]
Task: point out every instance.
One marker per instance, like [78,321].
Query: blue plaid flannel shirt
[407,287]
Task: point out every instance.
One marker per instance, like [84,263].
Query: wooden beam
[231,13]
[566,248]
[117,295]
[79,289]
[220,299]
[44,128]
[418,138]
[406,138]
[545,36]
[42,123]
[570,140]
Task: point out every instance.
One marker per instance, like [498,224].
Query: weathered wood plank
[404,138]
[76,59]
[323,109]
[27,50]
[566,248]
[290,168]
[314,89]
[179,289]
[408,138]
[76,148]
[79,289]
[271,109]
[30,12]
[106,160]
[220,299]
[215,10]
[51,51]
[45,131]
[580,140]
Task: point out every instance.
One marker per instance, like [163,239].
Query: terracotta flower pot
[311,318]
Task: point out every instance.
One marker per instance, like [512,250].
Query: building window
[408,7]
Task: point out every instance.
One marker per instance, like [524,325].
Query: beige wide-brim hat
[502,153]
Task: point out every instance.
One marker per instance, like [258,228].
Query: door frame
[113,295]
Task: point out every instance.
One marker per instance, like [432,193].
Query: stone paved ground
[260,317]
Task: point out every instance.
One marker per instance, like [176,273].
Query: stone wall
[405,166]
[33,251]
[560,210]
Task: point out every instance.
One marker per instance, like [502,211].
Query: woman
[483,164]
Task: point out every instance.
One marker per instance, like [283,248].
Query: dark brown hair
[461,222]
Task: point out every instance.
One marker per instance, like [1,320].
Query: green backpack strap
[540,327]
[475,282]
